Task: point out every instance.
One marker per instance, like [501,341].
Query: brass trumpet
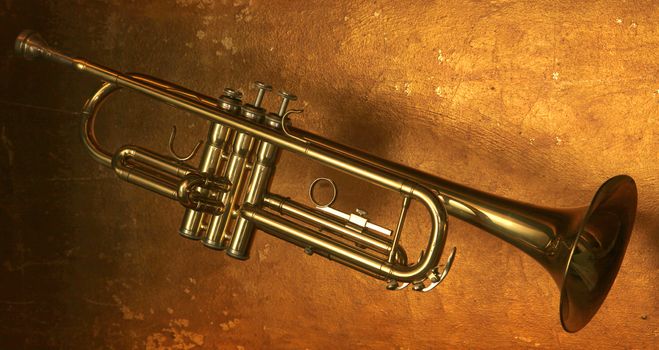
[227,195]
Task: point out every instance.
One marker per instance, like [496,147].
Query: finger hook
[284,127]
[172,136]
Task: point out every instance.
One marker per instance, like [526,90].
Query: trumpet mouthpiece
[30,44]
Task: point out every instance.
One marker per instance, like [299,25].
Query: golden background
[540,101]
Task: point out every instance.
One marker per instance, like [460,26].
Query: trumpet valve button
[263,88]
[233,93]
[230,100]
[286,97]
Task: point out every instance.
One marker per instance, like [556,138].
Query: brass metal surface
[248,128]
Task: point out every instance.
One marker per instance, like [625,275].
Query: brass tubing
[192,105]
[235,172]
[210,163]
[234,204]
[195,224]
[147,180]
[216,146]
[399,228]
[122,159]
[177,89]
[153,160]
[527,226]
[211,160]
[87,132]
[149,170]
[264,166]
[337,160]
[286,206]
[305,237]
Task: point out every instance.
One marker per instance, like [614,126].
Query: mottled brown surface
[541,102]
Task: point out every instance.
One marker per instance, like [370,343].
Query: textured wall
[541,102]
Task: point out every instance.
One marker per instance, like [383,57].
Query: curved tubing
[87,133]
[197,104]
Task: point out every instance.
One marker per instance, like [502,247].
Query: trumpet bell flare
[597,251]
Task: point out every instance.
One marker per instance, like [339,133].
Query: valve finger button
[254,112]
[273,120]
[286,97]
[263,88]
[233,93]
[230,100]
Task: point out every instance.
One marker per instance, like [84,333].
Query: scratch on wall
[126,312]
[176,336]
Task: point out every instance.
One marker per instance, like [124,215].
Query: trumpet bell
[595,254]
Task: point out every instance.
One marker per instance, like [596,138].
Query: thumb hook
[172,136]
[284,128]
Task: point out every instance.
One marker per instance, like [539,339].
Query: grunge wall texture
[540,101]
